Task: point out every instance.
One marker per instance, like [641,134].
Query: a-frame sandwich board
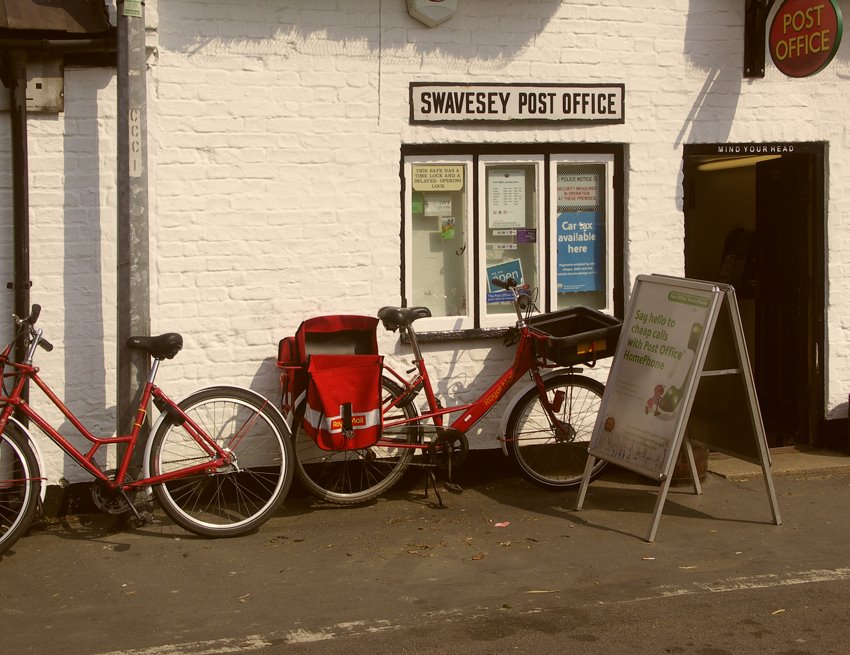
[680,373]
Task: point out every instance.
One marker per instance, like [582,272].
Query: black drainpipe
[17,80]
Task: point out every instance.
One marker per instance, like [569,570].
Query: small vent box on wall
[432,12]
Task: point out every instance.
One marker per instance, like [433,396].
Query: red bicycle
[548,428]
[219,462]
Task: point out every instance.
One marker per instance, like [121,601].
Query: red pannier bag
[340,334]
[343,410]
[293,379]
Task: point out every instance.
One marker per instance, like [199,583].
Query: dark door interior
[759,225]
[783,292]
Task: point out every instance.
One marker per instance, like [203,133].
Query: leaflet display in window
[437,235]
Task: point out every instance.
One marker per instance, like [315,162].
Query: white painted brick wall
[274,142]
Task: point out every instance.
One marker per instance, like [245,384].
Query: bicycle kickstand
[432,479]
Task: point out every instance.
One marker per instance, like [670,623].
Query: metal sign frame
[718,386]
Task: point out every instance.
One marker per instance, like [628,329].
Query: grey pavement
[504,567]
[785,461]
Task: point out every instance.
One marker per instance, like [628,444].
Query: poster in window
[437,178]
[577,190]
[506,198]
[447,227]
[438,204]
[581,252]
[417,203]
[511,268]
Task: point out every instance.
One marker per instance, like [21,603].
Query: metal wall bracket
[755,31]
[45,86]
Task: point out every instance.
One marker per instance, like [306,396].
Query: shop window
[582,265]
[510,227]
[542,218]
[437,241]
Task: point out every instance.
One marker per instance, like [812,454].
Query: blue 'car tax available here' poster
[581,239]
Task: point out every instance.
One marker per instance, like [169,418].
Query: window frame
[608,189]
[472,326]
[499,320]
[439,323]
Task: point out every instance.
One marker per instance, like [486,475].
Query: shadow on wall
[84,342]
[722,60]
[711,117]
[377,29]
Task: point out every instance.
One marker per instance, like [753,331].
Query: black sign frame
[501,116]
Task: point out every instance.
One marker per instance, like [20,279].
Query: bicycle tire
[232,500]
[20,487]
[549,457]
[355,476]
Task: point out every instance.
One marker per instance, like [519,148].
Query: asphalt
[503,566]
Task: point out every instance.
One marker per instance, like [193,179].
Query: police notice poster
[580,231]
[652,375]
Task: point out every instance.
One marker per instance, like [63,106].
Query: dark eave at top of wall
[53,19]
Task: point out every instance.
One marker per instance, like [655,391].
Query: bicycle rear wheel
[230,500]
[348,477]
[20,486]
[555,455]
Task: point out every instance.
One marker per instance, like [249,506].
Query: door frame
[814,400]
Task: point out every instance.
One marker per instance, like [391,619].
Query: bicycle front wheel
[347,477]
[20,486]
[224,500]
[554,455]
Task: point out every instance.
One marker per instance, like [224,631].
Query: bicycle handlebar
[522,299]
[510,283]
[29,321]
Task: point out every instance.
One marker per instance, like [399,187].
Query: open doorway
[754,218]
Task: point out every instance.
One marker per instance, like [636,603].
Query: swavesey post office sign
[444,102]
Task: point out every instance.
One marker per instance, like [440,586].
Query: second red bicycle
[548,429]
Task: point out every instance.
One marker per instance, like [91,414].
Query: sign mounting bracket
[755,30]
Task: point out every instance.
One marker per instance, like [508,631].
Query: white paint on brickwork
[274,138]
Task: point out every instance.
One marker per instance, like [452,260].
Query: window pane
[510,231]
[580,236]
[439,238]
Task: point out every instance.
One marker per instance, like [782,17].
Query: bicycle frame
[525,361]
[26,371]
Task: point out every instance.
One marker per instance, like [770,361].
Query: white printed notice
[506,198]
[653,373]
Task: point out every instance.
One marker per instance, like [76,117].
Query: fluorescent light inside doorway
[734,162]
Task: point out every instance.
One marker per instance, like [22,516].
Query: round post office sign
[804,36]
